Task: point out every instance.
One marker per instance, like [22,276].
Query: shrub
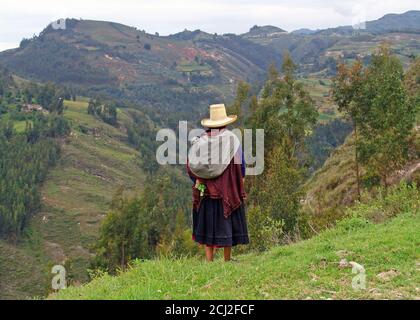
[353,223]
[265,232]
[389,203]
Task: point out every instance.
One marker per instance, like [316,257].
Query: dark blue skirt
[211,228]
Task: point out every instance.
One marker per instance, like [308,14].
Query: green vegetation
[326,138]
[146,226]
[335,186]
[188,71]
[108,113]
[24,162]
[105,202]
[306,270]
[24,273]
[29,148]
[382,114]
[288,115]
[193,66]
[95,161]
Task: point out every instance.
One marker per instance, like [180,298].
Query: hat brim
[208,123]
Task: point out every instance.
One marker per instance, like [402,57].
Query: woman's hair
[220,128]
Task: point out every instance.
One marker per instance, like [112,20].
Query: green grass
[306,270]
[20,126]
[319,90]
[333,187]
[24,271]
[192,66]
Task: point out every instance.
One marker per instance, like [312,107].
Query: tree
[242,96]
[346,87]
[107,112]
[286,111]
[382,112]
[253,105]
[388,116]
[92,107]
[287,114]
[412,81]
[282,190]
[137,228]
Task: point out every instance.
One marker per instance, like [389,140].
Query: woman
[217,167]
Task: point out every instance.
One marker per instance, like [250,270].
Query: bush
[352,224]
[178,243]
[265,232]
[389,203]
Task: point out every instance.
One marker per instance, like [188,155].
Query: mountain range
[188,70]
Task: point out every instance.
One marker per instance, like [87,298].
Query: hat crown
[218,117]
[218,112]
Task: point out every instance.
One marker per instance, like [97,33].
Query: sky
[23,18]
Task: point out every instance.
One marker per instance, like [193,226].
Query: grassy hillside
[24,270]
[311,269]
[95,162]
[334,187]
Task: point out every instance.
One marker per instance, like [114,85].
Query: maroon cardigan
[229,187]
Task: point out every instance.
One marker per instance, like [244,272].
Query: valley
[103,198]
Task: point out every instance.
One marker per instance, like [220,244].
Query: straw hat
[218,117]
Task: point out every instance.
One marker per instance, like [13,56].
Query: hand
[197,183]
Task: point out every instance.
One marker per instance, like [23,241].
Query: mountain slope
[406,22]
[263,31]
[24,271]
[187,71]
[312,269]
[333,188]
[96,160]
[318,52]
[190,69]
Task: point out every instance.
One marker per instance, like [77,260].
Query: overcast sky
[24,18]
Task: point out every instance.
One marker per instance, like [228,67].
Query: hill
[179,72]
[405,22]
[96,160]
[317,52]
[314,269]
[304,32]
[263,31]
[333,188]
[189,70]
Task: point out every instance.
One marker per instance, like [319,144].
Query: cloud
[23,18]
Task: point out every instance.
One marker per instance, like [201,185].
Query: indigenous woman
[216,166]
